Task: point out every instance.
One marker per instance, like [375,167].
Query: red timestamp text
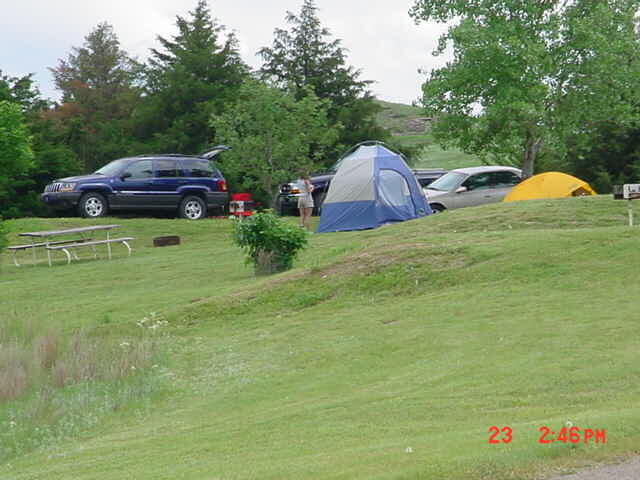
[572,435]
[566,434]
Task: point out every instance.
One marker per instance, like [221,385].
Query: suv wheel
[437,208]
[92,205]
[193,208]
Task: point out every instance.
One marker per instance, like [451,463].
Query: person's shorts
[305,202]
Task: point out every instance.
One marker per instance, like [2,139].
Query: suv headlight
[67,187]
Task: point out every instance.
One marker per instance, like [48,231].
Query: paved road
[624,471]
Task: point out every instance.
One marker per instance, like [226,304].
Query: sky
[381,39]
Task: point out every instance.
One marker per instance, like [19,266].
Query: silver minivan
[468,187]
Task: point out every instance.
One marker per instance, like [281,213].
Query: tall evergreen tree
[99,89]
[306,56]
[195,75]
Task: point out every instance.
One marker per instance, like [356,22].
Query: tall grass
[53,384]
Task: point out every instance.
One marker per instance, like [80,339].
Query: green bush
[270,242]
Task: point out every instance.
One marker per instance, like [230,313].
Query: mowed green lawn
[385,354]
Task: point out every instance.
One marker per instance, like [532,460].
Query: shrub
[270,242]
[3,236]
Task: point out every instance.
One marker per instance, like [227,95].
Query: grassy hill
[398,117]
[407,124]
[384,354]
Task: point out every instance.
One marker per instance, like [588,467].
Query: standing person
[305,200]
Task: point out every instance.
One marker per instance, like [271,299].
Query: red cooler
[241,205]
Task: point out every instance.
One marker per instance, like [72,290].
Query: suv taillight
[223,185]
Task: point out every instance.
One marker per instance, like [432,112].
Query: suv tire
[193,208]
[92,205]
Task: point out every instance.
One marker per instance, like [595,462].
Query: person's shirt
[304,186]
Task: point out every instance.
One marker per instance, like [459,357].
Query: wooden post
[630,208]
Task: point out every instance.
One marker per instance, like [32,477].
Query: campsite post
[627,192]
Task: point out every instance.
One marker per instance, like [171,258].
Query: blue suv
[187,184]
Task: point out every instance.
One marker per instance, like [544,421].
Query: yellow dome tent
[549,185]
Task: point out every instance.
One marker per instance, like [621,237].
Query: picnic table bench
[69,246]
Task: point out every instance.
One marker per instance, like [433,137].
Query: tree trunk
[273,197]
[271,190]
[530,154]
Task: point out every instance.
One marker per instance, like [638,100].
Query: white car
[468,187]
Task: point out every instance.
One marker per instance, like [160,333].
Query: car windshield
[447,182]
[112,168]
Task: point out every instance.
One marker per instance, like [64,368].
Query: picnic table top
[52,233]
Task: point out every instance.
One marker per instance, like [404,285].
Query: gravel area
[624,471]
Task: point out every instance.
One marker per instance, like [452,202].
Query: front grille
[53,187]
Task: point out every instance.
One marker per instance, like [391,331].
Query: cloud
[381,38]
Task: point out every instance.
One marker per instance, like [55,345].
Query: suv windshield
[111,168]
[447,182]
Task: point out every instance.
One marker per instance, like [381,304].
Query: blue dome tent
[371,187]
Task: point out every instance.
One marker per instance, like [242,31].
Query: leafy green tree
[528,77]
[195,75]
[21,90]
[611,158]
[16,157]
[52,158]
[98,82]
[272,135]
[305,56]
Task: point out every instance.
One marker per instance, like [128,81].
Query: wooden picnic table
[68,246]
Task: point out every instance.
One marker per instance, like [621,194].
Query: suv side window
[166,168]
[199,168]
[140,169]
